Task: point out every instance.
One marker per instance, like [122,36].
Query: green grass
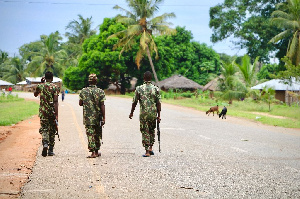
[246,109]
[16,110]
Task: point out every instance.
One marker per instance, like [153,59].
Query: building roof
[278,84]
[179,82]
[38,79]
[22,83]
[212,85]
[5,83]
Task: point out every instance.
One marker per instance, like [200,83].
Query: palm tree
[14,70]
[287,17]
[248,70]
[230,84]
[80,30]
[49,57]
[142,25]
[268,94]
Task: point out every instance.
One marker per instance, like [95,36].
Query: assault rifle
[158,135]
[56,129]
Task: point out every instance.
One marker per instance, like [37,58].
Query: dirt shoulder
[18,148]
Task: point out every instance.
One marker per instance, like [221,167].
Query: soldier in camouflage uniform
[48,112]
[150,106]
[92,100]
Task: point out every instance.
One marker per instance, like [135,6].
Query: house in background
[5,84]
[31,83]
[179,82]
[282,90]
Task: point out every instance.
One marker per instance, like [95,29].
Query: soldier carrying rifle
[150,106]
[48,112]
[92,100]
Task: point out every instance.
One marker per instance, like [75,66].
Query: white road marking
[202,136]
[238,149]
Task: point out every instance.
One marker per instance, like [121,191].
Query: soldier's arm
[102,107]
[134,103]
[80,102]
[37,91]
[132,109]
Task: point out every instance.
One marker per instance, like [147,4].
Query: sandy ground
[18,147]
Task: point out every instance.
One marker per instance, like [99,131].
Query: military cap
[92,77]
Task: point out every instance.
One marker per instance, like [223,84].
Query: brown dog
[213,109]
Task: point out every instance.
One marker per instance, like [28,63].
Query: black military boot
[50,151]
[45,148]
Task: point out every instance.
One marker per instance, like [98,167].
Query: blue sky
[23,21]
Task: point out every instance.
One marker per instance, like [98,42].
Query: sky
[23,21]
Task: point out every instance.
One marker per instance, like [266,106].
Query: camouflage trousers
[47,130]
[147,128]
[94,135]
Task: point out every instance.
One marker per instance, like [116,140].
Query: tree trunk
[152,66]
[123,82]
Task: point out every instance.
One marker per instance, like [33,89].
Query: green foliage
[268,94]
[248,23]
[13,70]
[47,56]
[180,55]
[75,78]
[291,70]
[9,98]
[140,23]
[287,18]
[268,71]
[248,70]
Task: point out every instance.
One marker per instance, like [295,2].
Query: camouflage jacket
[47,92]
[92,98]
[148,95]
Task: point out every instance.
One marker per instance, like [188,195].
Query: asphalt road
[201,157]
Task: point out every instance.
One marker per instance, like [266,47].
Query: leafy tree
[49,57]
[99,57]
[268,71]
[291,70]
[268,95]
[248,23]
[229,82]
[248,70]
[75,78]
[3,56]
[79,31]
[141,23]
[14,70]
[180,55]
[287,18]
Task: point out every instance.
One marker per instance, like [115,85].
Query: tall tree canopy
[248,23]
[179,54]
[99,57]
[287,18]
[48,56]
[141,23]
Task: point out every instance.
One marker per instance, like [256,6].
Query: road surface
[202,157]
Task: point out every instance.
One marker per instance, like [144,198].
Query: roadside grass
[14,110]
[248,109]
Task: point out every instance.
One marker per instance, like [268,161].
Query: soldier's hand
[130,115]
[102,122]
[158,119]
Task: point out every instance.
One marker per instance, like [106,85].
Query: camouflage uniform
[148,96]
[47,112]
[92,98]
